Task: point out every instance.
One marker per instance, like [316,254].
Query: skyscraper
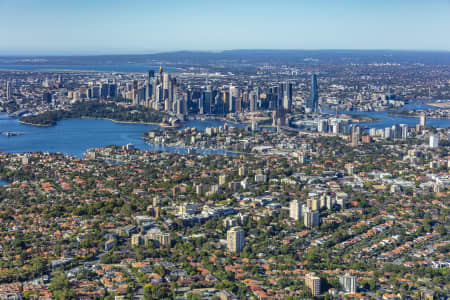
[313,102]
[235,239]
[151,74]
[113,90]
[234,94]
[252,100]
[287,96]
[104,90]
[207,100]
[8,91]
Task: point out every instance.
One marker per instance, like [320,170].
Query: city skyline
[62,28]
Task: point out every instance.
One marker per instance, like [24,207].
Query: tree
[157,292]
[60,287]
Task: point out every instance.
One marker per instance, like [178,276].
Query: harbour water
[75,136]
[387,120]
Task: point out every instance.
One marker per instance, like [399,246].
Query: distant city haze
[54,27]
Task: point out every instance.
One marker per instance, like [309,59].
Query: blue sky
[143,26]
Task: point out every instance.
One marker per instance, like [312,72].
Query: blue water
[3,183]
[417,105]
[75,136]
[387,120]
[136,68]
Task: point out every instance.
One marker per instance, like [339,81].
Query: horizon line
[154,52]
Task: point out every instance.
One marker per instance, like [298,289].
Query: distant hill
[255,56]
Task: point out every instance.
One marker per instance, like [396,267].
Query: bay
[75,136]
[387,120]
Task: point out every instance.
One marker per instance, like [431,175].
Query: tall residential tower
[235,239]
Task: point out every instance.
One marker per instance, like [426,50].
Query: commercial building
[312,102]
[8,91]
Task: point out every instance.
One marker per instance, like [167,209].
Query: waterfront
[387,120]
[75,136]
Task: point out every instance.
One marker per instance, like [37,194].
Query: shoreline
[408,115]
[122,122]
[440,104]
[32,124]
[362,118]
[112,120]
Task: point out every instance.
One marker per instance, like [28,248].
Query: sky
[65,27]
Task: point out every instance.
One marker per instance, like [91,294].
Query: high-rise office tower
[218,103]
[234,94]
[295,210]
[166,80]
[238,104]
[252,100]
[287,96]
[8,91]
[235,239]
[151,74]
[201,105]
[113,90]
[94,92]
[312,103]
[207,100]
[348,283]
[104,90]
